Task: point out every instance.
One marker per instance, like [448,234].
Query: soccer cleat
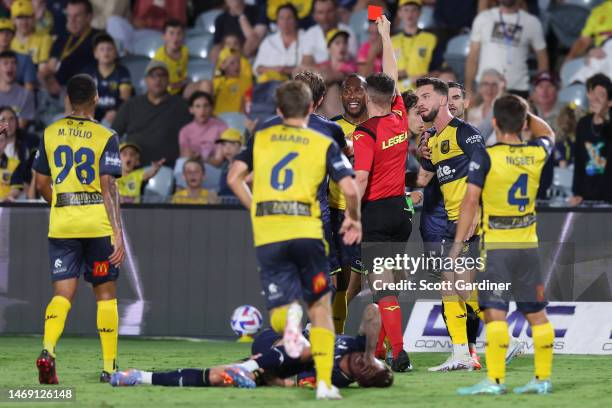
[453,363]
[307,382]
[485,387]
[516,348]
[238,377]
[292,337]
[327,393]
[46,368]
[127,378]
[535,386]
[401,363]
[105,377]
[475,359]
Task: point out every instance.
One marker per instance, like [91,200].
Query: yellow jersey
[75,152]
[37,46]
[451,152]
[11,175]
[414,54]
[130,186]
[599,24]
[229,93]
[509,176]
[335,197]
[177,69]
[289,165]
[183,197]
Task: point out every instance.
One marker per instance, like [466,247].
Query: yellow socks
[108,327]
[496,347]
[543,337]
[455,315]
[473,303]
[339,311]
[55,318]
[278,318]
[322,346]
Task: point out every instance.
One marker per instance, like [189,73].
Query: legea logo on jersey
[58,266]
[444,173]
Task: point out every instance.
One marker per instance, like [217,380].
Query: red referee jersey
[381,147]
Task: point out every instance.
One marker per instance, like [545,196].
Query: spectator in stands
[175,55]
[11,93]
[27,41]
[369,56]
[194,173]
[596,31]
[232,42]
[229,144]
[340,62]
[282,51]
[26,71]
[269,11]
[11,182]
[450,18]
[197,139]
[103,9]
[325,14]
[593,148]
[598,60]
[242,20]
[230,87]
[563,154]
[544,97]
[447,74]
[501,38]
[153,121]
[73,51]
[413,47]
[112,79]
[133,177]
[44,19]
[20,144]
[492,84]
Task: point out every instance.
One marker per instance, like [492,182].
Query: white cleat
[327,393]
[454,363]
[292,337]
[516,348]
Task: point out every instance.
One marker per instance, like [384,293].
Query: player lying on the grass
[354,361]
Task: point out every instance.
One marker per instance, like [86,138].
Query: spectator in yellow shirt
[11,173]
[194,173]
[132,178]
[27,41]
[45,22]
[175,55]
[596,31]
[413,48]
[230,87]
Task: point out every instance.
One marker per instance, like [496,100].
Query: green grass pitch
[578,381]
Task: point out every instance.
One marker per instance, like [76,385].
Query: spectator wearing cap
[325,14]
[413,47]
[501,38]
[282,51]
[544,97]
[26,70]
[194,173]
[596,31]
[340,62]
[175,55]
[593,147]
[369,56]
[153,121]
[269,11]
[229,145]
[133,177]
[27,41]
[197,139]
[11,93]
[230,86]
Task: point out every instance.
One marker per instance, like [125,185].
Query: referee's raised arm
[389,62]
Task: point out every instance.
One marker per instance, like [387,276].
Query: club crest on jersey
[445,146]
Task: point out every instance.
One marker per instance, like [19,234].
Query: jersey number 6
[282,183]
[65,159]
[520,187]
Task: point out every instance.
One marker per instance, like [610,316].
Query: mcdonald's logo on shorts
[100,269]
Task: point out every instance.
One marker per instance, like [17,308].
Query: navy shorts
[89,256]
[341,254]
[293,270]
[471,248]
[520,268]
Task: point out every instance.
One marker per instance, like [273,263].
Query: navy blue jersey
[433,215]
[108,88]
[343,346]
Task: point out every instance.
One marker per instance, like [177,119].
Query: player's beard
[431,116]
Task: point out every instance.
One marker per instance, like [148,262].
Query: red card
[374,12]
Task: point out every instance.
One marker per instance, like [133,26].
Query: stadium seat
[146,45]
[569,69]
[159,188]
[234,120]
[567,21]
[198,69]
[456,54]
[576,94]
[427,17]
[136,65]
[207,20]
[199,46]
[359,24]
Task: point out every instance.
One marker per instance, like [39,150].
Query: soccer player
[76,166]
[345,260]
[381,149]
[289,163]
[504,179]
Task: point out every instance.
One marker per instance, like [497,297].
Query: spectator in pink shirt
[369,57]
[197,139]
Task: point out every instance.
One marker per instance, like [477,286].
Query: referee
[381,147]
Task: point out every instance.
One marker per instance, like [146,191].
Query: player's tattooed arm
[110,196]
[370,327]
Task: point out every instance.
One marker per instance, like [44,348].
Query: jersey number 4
[83,158]
[519,188]
[282,177]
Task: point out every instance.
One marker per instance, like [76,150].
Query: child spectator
[175,54]
[232,42]
[197,139]
[27,41]
[11,180]
[194,173]
[11,93]
[230,144]
[26,70]
[112,79]
[340,62]
[132,178]
[230,87]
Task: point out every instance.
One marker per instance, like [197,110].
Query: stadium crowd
[185,83]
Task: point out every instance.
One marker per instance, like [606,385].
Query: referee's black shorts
[386,220]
